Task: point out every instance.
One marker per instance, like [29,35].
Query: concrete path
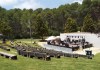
[95,50]
[57,48]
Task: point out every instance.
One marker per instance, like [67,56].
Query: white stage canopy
[50,38]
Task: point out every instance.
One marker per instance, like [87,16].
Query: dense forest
[17,23]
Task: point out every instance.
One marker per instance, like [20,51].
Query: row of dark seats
[5,48]
[49,53]
[42,53]
[10,56]
[38,52]
[30,54]
[53,53]
[87,46]
[78,55]
[75,48]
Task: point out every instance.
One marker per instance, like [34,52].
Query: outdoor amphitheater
[81,46]
[67,44]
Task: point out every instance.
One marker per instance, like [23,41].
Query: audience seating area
[42,53]
[26,50]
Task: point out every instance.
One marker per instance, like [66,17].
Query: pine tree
[70,25]
[88,24]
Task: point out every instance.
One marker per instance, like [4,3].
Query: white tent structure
[50,38]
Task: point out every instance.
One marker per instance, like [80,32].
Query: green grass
[28,41]
[64,63]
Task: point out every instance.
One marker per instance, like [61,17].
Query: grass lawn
[29,41]
[64,63]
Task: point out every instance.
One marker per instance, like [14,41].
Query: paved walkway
[95,50]
[63,49]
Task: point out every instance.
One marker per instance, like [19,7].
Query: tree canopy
[73,17]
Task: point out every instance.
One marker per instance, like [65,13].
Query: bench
[42,56]
[5,48]
[10,56]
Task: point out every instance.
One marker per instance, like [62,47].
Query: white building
[89,37]
[75,36]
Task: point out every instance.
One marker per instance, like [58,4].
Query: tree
[88,24]
[86,3]
[97,28]
[5,29]
[26,21]
[13,17]
[70,25]
[53,20]
[41,27]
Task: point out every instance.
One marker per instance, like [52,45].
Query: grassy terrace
[29,42]
[64,63]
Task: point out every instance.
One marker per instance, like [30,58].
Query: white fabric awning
[50,38]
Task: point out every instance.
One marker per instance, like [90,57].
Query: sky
[34,4]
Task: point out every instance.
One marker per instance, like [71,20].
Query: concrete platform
[94,49]
[57,48]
